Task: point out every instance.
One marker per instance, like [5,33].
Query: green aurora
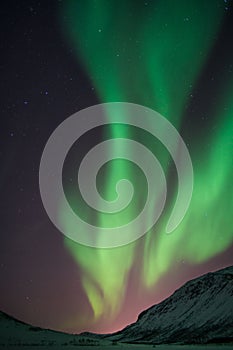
[153,57]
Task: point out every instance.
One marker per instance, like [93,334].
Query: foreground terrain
[199,315]
[129,347]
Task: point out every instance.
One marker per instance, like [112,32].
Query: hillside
[201,311]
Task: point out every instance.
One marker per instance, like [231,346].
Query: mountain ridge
[17,333]
[199,312]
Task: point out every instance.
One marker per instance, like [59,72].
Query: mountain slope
[17,333]
[201,311]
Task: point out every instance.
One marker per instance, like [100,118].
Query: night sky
[59,57]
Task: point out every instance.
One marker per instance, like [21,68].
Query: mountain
[201,311]
[16,333]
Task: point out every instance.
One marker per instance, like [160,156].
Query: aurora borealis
[176,59]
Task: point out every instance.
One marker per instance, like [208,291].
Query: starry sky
[59,57]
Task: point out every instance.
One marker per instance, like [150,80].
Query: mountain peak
[201,311]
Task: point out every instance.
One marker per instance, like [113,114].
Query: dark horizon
[200,297]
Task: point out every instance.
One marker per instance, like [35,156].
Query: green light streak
[207,227]
[152,56]
[105,277]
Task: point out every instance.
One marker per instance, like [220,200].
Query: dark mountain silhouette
[199,312]
[17,333]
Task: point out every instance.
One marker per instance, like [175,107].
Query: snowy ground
[128,347]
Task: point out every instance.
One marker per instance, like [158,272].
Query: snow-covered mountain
[16,333]
[201,311]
